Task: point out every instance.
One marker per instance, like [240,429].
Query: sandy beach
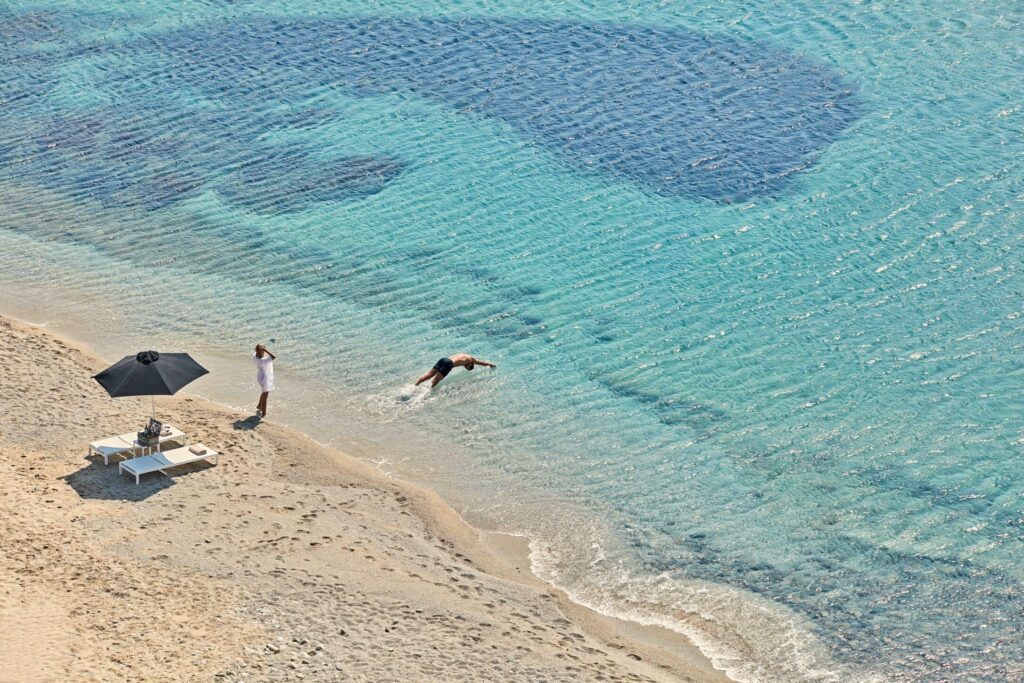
[287,561]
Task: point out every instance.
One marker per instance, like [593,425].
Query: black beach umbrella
[149,373]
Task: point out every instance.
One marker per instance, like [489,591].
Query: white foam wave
[752,639]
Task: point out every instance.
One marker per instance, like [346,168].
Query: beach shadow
[97,481]
[248,424]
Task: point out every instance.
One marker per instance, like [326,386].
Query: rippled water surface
[750,273]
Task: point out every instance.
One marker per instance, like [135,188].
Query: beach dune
[287,561]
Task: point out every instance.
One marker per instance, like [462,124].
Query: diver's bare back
[461,360]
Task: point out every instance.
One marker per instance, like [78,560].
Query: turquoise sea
[750,271]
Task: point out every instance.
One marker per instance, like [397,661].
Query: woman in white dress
[264,361]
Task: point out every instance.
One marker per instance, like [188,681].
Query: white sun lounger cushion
[114,445]
[161,462]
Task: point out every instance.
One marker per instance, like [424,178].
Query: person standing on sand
[264,361]
[444,366]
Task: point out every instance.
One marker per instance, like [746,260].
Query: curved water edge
[750,639]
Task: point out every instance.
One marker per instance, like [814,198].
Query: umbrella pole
[152,406]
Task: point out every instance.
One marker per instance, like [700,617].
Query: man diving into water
[444,366]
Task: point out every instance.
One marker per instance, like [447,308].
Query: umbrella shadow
[97,481]
[248,424]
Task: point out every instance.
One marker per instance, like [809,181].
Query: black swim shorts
[444,366]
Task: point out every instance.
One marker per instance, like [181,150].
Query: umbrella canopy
[149,373]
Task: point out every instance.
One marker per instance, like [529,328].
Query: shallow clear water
[750,273]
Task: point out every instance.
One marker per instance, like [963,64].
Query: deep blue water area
[682,114]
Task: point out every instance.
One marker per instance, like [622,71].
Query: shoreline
[652,652]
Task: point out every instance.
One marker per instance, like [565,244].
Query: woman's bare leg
[261,406]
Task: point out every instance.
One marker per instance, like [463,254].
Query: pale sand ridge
[288,561]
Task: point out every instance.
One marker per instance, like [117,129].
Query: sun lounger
[114,445]
[163,461]
[126,444]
